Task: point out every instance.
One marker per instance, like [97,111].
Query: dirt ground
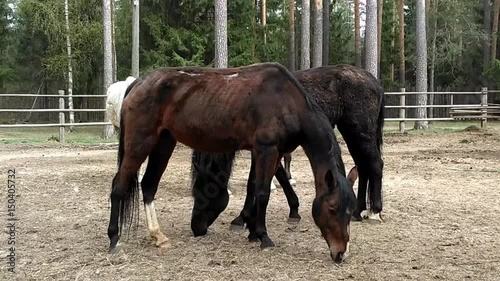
[441,209]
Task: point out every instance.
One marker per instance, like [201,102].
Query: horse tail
[380,122]
[130,200]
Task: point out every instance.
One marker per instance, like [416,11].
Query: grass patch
[438,127]
[81,135]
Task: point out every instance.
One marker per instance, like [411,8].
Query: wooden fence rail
[454,109]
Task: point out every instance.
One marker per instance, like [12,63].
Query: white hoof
[368,215]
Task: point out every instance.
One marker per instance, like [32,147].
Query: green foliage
[179,32]
[342,33]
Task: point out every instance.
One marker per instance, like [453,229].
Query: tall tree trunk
[486,42]
[108,60]
[305,56]
[494,31]
[371,37]
[264,19]
[393,35]
[254,32]
[435,6]
[70,67]
[291,35]
[317,53]
[421,71]
[326,32]
[135,39]
[113,28]
[357,35]
[221,54]
[298,40]
[380,5]
[402,70]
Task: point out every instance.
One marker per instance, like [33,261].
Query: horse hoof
[374,218]
[163,244]
[252,237]
[294,220]
[356,217]
[236,227]
[115,250]
[266,243]
[237,224]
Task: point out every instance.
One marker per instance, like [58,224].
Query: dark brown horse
[353,100]
[261,108]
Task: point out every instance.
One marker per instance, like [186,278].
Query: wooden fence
[483,107]
[402,115]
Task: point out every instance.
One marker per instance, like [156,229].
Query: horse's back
[343,91]
[210,106]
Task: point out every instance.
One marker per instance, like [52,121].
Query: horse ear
[353,174]
[330,180]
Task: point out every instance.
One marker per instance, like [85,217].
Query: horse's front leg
[291,196]
[266,161]
[239,222]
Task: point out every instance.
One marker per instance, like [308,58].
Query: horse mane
[334,150]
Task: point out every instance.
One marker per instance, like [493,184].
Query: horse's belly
[210,139]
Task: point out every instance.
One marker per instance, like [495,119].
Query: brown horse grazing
[353,100]
[261,108]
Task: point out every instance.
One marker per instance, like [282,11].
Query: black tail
[130,199]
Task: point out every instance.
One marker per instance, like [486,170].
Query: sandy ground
[441,209]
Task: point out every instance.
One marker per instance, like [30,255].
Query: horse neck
[319,148]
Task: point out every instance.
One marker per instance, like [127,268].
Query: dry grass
[440,211]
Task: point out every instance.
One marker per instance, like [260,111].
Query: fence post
[484,102]
[402,111]
[61,117]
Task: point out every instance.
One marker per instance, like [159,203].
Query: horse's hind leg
[124,189]
[367,158]
[361,198]
[157,163]
[291,196]
[375,186]
[287,160]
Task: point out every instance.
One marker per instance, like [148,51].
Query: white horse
[116,93]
